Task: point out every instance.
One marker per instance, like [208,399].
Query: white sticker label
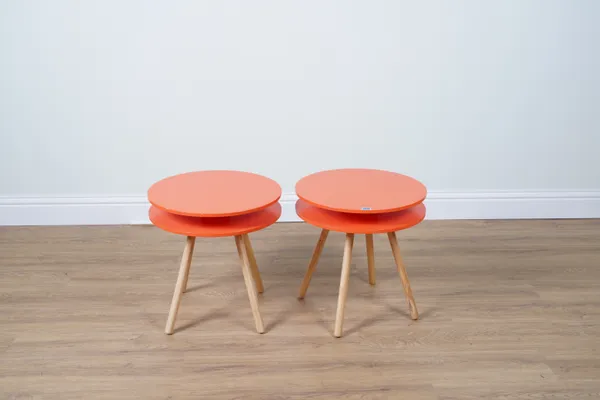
[366,208]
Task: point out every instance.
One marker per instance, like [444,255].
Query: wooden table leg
[370,258]
[187,274]
[313,263]
[246,271]
[184,269]
[253,267]
[345,278]
[403,275]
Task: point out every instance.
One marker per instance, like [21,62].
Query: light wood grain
[253,266]
[191,241]
[184,270]
[509,310]
[344,281]
[247,272]
[313,263]
[370,258]
[414,314]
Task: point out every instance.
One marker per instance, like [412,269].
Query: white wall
[102,98]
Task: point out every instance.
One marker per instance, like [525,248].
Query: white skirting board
[117,210]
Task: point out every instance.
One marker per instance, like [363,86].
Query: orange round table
[360,191]
[214,193]
[363,201]
[216,204]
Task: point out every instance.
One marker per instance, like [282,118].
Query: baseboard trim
[119,210]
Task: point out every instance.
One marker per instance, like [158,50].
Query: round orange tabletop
[360,223]
[214,193]
[361,191]
[215,227]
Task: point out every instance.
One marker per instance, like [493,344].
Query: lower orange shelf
[360,223]
[215,226]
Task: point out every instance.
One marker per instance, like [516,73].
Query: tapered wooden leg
[187,272]
[313,263]
[403,276]
[370,258]
[345,278]
[246,271]
[253,267]
[183,271]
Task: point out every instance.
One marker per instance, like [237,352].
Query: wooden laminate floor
[509,310]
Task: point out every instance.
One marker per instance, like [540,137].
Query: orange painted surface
[361,191]
[214,193]
[360,223]
[215,227]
